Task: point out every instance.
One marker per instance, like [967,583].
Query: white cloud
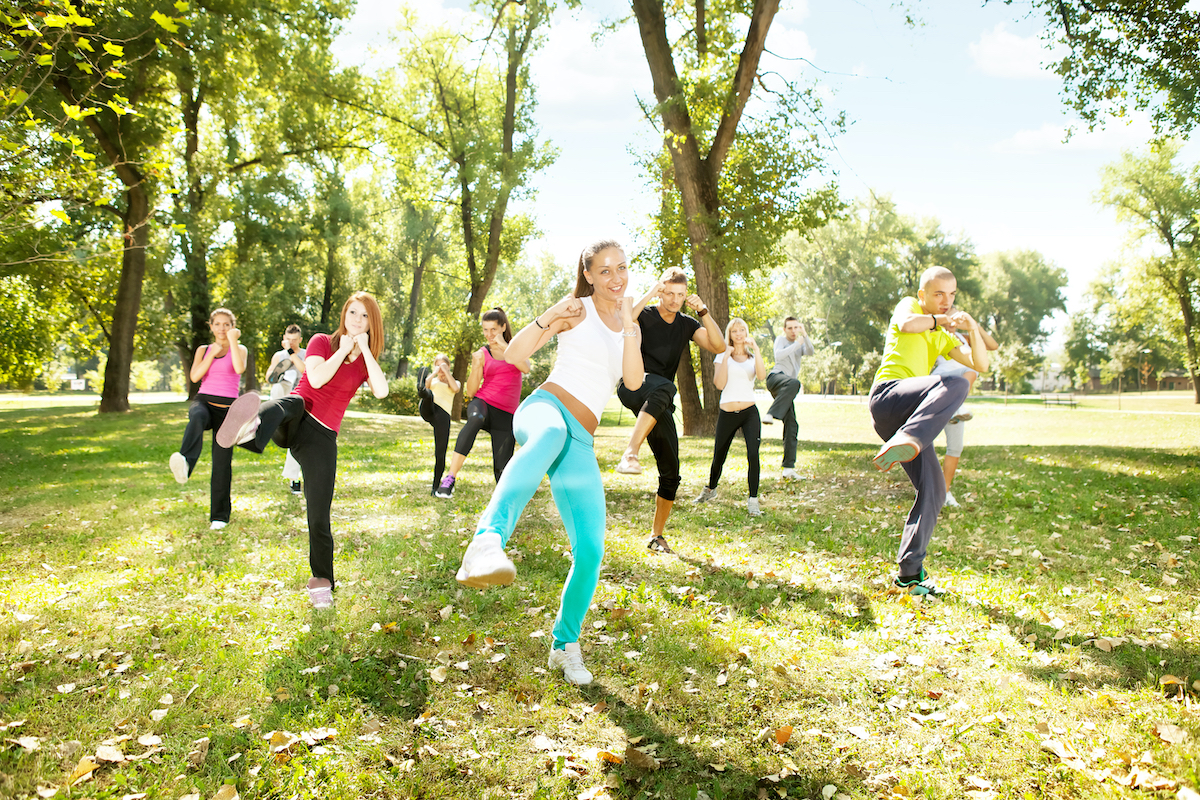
[1002,54]
[1049,138]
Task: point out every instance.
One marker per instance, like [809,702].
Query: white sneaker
[242,413]
[485,564]
[752,507]
[962,415]
[179,468]
[217,525]
[706,494]
[767,419]
[789,474]
[950,501]
[570,661]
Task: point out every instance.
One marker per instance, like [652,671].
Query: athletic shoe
[921,585]
[629,465]
[179,467]
[790,474]
[950,501]
[767,419]
[445,489]
[241,415]
[900,449]
[706,494]
[422,376]
[752,507]
[217,525]
[485,564]
[659,545]
[296,489]
[321,597]
[570,661]
[963,415]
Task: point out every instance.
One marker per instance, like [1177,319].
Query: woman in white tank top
[598,344]
[735,373]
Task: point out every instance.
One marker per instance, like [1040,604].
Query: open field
[769,659]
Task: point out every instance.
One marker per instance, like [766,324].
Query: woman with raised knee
[598,344]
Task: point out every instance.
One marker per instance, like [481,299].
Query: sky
[955,119]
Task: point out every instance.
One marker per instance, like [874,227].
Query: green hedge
[401,399]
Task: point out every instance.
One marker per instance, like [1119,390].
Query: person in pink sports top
[494,391]
[218,367]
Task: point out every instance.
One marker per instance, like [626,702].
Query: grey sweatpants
[920,407]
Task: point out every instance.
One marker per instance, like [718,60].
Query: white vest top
[589,360]
[739,385]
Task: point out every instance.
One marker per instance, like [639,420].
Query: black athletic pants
[485,417]
[656,396]
[203,415]
[728,424]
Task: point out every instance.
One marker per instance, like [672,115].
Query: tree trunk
[689,396]
[420,262]
[128,301]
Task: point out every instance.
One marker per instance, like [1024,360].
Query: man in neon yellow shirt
[910,407]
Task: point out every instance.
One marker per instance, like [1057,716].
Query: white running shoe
[242,413]
[950,501]
[962,415]
[485,564]
[789,474]
[217,525]
[179,468]
[752,507]
[570,661]
[629,465]
[706,494]
[767,419]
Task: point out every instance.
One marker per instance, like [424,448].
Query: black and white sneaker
[296,488]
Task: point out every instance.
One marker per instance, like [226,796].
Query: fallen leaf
[722,678]
[26,743]
[860,732]
[166,700]
[1171,734]
[783,734]
[158,714]
[241,722]
[112,755]
[640,759]
[610,757]
[83,770]
[438,674]
[65,688]
[199,752]
[446,612]
[47,791]
[226,792]
[149,739]
[134,796]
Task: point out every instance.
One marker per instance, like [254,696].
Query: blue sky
[954,119]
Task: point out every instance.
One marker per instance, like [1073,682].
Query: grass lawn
[144,653]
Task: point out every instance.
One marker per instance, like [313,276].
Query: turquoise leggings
[554,443]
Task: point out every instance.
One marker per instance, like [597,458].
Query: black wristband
[538,322]
[291,352]
[934,318]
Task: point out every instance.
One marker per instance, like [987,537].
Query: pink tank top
[501,384]
[220,380]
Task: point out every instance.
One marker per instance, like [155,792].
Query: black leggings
[440,420]
[203,415]
[656,397]
[728,424]
[289,425]
[481,416]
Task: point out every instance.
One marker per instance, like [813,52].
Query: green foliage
[1127,55]
[1014,362]
[402,399]
[28,343]
[1019,291]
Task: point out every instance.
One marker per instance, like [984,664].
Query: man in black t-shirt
[666,333]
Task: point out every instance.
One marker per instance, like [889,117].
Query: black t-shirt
[663,343]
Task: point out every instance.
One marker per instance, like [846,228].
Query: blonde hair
[729,327]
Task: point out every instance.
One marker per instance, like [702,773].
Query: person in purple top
[493,392]
[218,367]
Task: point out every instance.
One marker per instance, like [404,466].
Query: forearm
[979,352]
[721,373]
[633,370]
[375,377]
[297,362]
[238,355]
[200,367]
[760,367]
[320,373]
[474,379]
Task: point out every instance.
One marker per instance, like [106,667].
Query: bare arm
[562,316]
[237,351]
[375,377]
[919,323]
[202,361]
[650,295]
[760,367]
[321,370]
[721,369]
[633,369]
[475,376]
[710,336]
[979,350]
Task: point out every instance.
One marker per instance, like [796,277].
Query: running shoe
[921,585]
[241,415]
[705,495]
[570,661]
[900,449]
[446,489]
[485,564]
[179,467]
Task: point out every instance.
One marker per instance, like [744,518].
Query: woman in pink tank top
[494,391]
[218,367]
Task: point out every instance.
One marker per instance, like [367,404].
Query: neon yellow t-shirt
[912,355]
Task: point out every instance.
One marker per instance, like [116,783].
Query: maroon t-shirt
[328,403]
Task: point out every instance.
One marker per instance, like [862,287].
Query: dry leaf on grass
[26,743]
[149,740]
[1171,734]
[134,796]
[438,674]
[112,755]
[47,791]
[83,770]
[640,759]
[783,734]
[158,714]
[199,752]
[226,792]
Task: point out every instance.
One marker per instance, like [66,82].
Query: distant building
[1175,379]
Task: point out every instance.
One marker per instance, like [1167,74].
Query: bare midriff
[732,407]
[578,410]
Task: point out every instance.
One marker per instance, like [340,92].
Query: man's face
[791,329]
[293,340]
[938,296]
[673,295]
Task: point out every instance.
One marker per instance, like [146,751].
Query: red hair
[374,321]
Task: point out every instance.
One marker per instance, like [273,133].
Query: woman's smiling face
[609,274]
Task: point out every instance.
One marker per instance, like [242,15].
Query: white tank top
[739,385]
[589,360]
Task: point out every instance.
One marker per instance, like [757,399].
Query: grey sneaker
[950,501]
[752,507]
[570,661]
[706,494]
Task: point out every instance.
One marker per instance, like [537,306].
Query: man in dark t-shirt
[666,333]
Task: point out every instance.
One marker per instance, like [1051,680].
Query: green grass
[1072,535]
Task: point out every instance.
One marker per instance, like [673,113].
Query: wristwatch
[702,312]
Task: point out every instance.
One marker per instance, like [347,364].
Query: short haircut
[935,274]
[293,328]
[790,319]
[674,275]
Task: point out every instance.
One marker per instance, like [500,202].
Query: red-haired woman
[307,421]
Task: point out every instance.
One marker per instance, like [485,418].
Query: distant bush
[401,399]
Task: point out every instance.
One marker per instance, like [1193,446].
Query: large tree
[1018,293]
[732,179]
[1160,204]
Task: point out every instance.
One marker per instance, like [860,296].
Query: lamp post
[1142,369]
